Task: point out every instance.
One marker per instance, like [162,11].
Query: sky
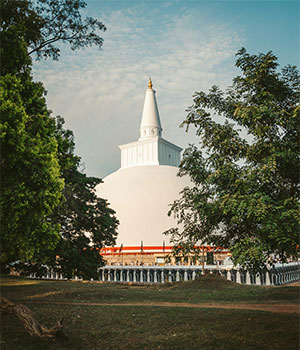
[184,46]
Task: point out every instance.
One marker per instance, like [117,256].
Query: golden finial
[150,84]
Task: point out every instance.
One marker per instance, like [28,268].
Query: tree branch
[33,327]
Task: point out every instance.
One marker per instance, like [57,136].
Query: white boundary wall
[278,275]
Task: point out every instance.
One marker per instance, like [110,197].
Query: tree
[31,182]
[49,211]
[39,26]
[246,189]
[87,223]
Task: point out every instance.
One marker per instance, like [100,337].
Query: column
[155,276]
[170,276]
[268,282]
[238,276]
[247,278]
[185,276]
[228,275]
[148,276]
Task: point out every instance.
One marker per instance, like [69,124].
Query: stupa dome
[142,190]
[141,197]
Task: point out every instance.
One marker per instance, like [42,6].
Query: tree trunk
[30,324]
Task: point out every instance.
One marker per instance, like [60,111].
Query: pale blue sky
[183,45]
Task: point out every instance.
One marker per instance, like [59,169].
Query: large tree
[246,170]
[49,210]
[39,27]
[31,182]
[86,221]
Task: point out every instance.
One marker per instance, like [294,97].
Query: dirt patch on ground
[285,308]
[44,295]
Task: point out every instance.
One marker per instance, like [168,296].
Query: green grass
[211,288]
[152,327]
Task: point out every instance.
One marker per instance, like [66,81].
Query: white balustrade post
[177,276]
[228,276]
[148,276]
[268,282]
[248,278]
[169,276]
[155,276]
[238,277]
[185,276]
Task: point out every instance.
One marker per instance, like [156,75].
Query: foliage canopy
[31,182]
[40,26]
[246,189]
[50,213]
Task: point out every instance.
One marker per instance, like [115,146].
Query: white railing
[278,275]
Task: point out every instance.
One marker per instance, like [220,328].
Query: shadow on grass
[136,328]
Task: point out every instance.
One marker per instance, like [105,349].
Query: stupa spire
[150,125]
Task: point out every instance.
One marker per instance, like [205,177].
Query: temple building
[142,190]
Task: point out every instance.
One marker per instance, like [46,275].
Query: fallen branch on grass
[30,324]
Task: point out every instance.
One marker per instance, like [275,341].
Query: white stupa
[142,190]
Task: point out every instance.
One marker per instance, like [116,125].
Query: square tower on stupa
[151,148]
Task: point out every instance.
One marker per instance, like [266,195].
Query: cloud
[101,93]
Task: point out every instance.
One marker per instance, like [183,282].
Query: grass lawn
[151,326]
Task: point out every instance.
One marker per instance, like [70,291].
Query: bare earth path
[286,308]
